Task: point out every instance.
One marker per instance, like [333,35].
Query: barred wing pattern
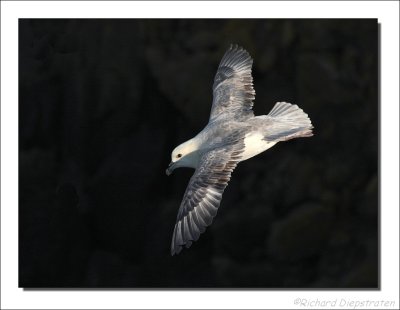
[233,91]
[203,195]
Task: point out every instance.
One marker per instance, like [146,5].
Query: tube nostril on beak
[169,169]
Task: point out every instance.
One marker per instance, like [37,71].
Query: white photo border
[387,13]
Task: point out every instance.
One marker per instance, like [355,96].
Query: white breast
[255,144]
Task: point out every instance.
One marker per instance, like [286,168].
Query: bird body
[233,134]
[254,144]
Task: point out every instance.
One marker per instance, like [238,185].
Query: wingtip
[235,46]
[237,58]
[175,250]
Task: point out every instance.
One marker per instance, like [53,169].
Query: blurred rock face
[104,102]
[302,234]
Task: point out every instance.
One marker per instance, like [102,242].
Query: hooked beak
[170,168]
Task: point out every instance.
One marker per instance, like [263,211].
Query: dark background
[104,102]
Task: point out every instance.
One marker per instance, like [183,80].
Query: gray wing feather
[233,91]
[203,195]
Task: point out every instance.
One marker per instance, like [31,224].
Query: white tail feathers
[289,122]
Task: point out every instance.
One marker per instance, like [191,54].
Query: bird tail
[288,122]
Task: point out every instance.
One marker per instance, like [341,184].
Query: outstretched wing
[203,195]
[233,91]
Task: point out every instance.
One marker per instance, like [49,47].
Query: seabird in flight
[233,134]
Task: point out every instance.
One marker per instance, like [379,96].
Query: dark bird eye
[179,155]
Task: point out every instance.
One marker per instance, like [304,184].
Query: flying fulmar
[233,134]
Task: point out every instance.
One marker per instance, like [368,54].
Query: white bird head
[184,155]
